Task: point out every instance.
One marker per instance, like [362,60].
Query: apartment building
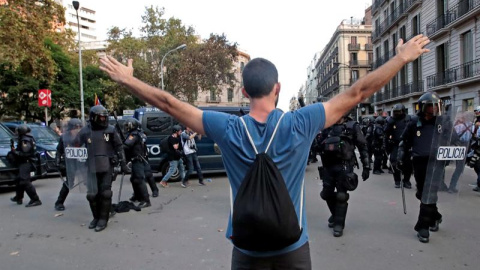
[347,57]
[224,96]
[452,68]
[310,88]
[86,18]
[394,20]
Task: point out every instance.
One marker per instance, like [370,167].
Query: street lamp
[181,47]
[76,5]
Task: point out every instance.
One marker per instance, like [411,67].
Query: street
[185,229]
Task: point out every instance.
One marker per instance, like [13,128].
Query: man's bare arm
[366,86]
[185,113]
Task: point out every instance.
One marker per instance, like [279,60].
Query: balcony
[213,100]
[353,47]
[359,63]
[399,92]
[411,4]
[464,10]
[454,75]
[436,28]
[330,89]
[369,47]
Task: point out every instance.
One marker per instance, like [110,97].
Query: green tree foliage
[201,66]
[24,25]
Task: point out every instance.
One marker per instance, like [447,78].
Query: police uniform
[419,136]
[105,150]
[377,145]
[24,157]
[337,171]
[135,151]
[66,140]
[393,131]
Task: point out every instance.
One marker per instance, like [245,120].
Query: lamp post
[76,5]
[183,46]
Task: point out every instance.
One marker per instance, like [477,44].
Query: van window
[159,124]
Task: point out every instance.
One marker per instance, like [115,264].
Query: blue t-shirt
[289,150]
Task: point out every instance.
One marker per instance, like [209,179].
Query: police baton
[401,185]
[120,190]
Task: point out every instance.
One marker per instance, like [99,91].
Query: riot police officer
[419,135]
[368,133]
[135,147]
[377,145]
[105,151]
[66,140]
[24,156]
[338,158]
[393,131]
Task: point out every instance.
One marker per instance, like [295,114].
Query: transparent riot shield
[450,142]
[80,166]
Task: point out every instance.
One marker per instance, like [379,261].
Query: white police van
[157,125]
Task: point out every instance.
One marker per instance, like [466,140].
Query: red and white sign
[44,98]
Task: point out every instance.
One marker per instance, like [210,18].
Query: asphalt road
[185,229]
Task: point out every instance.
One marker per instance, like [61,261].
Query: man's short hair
[259,77]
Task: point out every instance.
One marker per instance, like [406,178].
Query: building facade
[451,68]
[225,96]
[86,17]
[347,57]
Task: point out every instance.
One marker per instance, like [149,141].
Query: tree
[200,67]
[24,25]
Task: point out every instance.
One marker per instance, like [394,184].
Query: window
[160,124]
[442,6]
[468,104]
[369,39]
[213,95]
[442,61]
[467,54]
[403,33]
[353,40]
[394,42]
[416,25]
[354,75]
[370,58]
[230,95]
[385,50]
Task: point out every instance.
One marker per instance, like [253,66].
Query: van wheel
[175,176]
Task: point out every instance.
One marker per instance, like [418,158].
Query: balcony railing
[369,47]
[452,15]
[464,71]
[403,90]
[359,63]
[402,9]
[353,47]
[213,100]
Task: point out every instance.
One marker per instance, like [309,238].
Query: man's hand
[413,48]
[116,70]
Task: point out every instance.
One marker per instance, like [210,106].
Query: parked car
[157,125]
[8,171]
[46,139]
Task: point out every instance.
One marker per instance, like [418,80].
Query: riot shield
[449,147]
[78,146]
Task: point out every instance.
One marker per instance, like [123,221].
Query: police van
[157,125]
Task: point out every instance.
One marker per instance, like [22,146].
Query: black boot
[33,203]
[153,186]
[94,209]
[61,198]
[339,219]
[18,201]
[104,214]
[331,206]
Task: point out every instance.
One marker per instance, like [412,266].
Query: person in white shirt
[190,151]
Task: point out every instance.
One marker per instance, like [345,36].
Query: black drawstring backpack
[263,215]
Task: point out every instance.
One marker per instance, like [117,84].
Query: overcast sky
[288,33]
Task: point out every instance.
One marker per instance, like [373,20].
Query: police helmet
[427,100]
[365,120]
[74,123]
[380,120]
[398,111]
[22,130]
[99,116]
[176,128]
[132,124]
[477,109]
